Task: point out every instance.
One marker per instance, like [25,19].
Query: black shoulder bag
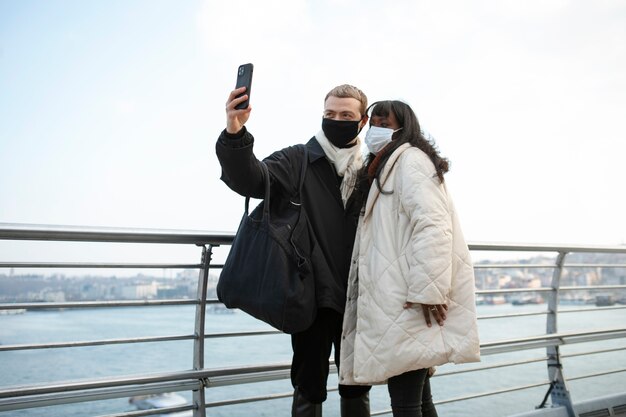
[268,271]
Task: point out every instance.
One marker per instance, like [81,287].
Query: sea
[52,365]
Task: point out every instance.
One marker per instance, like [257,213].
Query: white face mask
[377,138]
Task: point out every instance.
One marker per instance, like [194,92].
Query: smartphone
[244,78]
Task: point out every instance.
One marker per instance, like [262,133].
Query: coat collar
[315,150]
[384,175]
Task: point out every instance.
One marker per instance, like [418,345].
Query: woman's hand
[235,118]
[438,311]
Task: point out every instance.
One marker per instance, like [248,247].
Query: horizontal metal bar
[592,337]
[13,231]
[546,266]
[594,288]
[534,360]
[512,315]
[91,265]
[93,304]
[75,344]
[596,374]
[485,394]
[592,352]
[79,265]
[240,334]
[556,339]
[489,367]
[184,301]
[242,370]
[594,266]
[45,400]
[161,411]
[268,397]
[590,310]
[486,348]
[127,380]
[180,302]
[603,332]
[514,290]
[227,380]
[223,403]
[469,397]
[537,344]
[102,342]
[10,231]
[259,378]
[513,266]
[109,382]
[521,247]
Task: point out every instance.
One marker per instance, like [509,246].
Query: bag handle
[266,178]
[305,163]
[266,205]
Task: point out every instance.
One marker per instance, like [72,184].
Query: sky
[109,110]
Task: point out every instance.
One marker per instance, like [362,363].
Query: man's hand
[438,311]
[235,119]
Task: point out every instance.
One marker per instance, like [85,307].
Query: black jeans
[410,394]
[311,353]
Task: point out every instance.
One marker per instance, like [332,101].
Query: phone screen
[244,78]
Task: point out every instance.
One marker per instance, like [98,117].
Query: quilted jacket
[409,247]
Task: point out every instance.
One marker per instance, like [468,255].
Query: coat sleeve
[242,172]
[429,251]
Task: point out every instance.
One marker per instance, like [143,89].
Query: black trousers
[410,394]
[311,353]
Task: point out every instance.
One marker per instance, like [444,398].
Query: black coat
[332,226]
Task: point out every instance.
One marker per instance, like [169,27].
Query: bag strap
[266,178]
[305,164]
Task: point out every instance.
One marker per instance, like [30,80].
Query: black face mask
[341,132]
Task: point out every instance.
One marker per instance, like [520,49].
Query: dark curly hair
[411,133]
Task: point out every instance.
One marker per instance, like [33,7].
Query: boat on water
[527,300]
[155,401]
[12,312]
[604,300]
[577,301]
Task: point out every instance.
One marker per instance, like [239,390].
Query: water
[48,365]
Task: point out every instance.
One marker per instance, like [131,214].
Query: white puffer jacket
[409,247]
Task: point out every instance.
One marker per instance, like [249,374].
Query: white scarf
[347,163]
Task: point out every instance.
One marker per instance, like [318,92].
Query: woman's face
[389,122]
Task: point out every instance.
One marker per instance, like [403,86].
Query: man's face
[342,108]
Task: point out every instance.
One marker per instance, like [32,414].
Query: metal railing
[198,379]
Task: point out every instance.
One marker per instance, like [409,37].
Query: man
[332,199]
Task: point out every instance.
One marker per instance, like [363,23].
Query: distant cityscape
[537,277]
[28,288]
[60,288]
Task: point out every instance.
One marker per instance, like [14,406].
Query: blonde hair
[349,91]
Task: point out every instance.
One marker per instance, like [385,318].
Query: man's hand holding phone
[238,104]
[236,118]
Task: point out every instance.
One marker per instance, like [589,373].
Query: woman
[410,262]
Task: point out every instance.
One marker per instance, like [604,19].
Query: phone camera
[241,70]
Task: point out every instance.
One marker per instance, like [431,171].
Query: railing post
[558,388]
[198,345]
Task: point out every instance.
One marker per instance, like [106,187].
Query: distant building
[139,291]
